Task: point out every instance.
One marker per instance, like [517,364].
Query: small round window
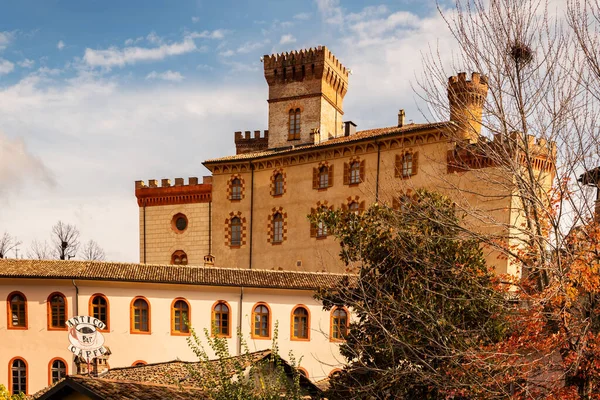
[179,223]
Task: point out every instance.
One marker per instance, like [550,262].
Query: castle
[236,250]
[252,212]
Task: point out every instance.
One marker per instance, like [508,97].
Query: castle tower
[466,104]
[306,93]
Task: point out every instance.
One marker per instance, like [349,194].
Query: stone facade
[161,241]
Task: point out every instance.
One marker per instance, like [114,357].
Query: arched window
[220,319]
[179,258]
[18,376]
[17,311]
[57,370]
[354,173]
[100,308]
[300,323]
[339,324]
[57,311]
[277,228]
[140,315]
[262,322]
[236,189]
[236,231]
[180,314]
[353,207]
[323,177]
[294,124]
[278,185]
[407,165]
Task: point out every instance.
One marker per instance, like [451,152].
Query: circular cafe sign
[85,338]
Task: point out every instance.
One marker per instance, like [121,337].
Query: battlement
[298,65]
[173,193]
[244,143]
[537,147]
[466,104]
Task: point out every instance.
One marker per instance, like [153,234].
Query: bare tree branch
[7,243]
[65,240]
[92,252]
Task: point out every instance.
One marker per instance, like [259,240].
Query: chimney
[401,116]
[349,128]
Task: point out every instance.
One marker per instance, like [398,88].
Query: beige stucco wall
[483,195]
[161,240]
[38,346]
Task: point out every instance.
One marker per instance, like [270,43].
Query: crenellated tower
[306,93]
[466,104]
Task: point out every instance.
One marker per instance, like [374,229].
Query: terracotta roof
[176,372]
[358,136]
[100,388]
[151,273]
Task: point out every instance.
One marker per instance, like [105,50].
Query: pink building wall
[37,345]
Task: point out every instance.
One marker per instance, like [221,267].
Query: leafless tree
[93,252]
[65,240]
[7,243]
[40,251]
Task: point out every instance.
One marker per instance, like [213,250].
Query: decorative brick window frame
[230,187]
[228,230]
[316,176]
[174,223]
[179,254]
[348,171]
[400,161]
[271,226]
[313,227]
[275,173]
[355,199]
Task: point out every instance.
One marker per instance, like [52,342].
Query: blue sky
[97,94]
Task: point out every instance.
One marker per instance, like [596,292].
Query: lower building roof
[170,274]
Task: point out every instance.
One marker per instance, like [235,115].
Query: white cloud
[154,38]
[114,57]
[93,120]
[130,42]
[166,76]
[18,165]
[26,63]
[330,11]
[195,19]
[6,67]
[251,46]
[60,45]
[6,39]
[285,39]
[227,53]
[216,34]
[302,16]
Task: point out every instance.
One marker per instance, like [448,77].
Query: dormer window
[294,124]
